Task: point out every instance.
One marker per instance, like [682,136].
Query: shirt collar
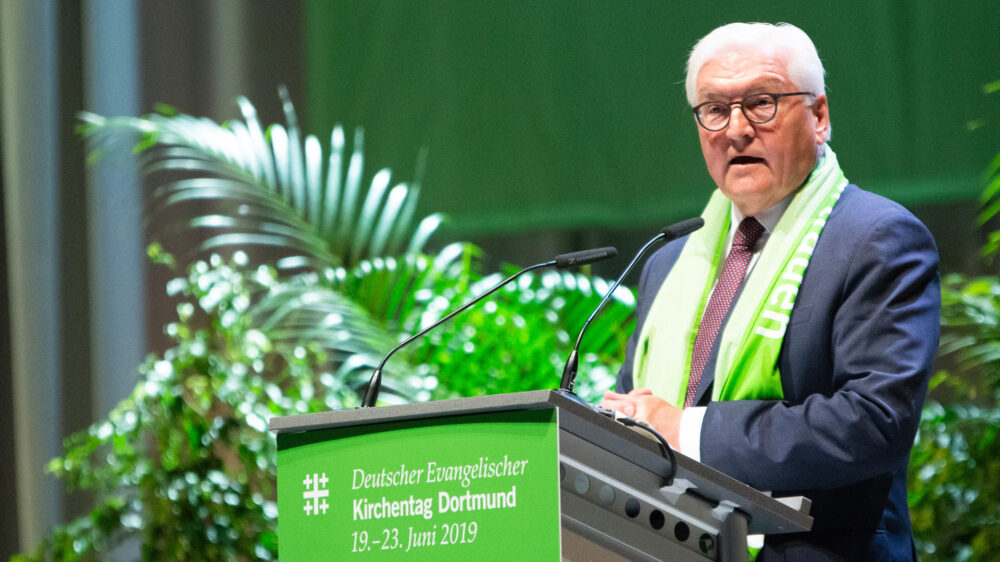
[768,218]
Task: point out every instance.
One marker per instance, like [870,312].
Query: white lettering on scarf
[777,312]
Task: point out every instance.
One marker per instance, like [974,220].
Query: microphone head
[583,257]
[682,228]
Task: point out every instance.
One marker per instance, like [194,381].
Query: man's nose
[739,126]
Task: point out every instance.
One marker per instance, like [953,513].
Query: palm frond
[275,185]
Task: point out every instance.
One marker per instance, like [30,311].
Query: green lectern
[523,476]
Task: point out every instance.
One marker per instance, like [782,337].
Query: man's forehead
[764,84]
[741,72]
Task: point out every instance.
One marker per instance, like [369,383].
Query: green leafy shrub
[953,467]
[182,461]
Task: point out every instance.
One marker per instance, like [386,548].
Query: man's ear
[821,110]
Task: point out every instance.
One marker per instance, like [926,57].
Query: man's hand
[642,404]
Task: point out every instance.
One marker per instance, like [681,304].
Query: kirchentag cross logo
[316,494]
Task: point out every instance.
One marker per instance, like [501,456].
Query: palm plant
[237,186]
[322,277]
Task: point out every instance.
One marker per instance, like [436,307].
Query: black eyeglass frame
[776,97]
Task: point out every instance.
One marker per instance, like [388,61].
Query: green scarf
[747,365]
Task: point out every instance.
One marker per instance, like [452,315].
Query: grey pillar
[31,177]
[114,206]
[228,51]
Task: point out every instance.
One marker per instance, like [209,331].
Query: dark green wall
[572,113]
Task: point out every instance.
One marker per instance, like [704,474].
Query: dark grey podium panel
[613,503]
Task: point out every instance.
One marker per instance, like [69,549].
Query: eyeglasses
[758,108]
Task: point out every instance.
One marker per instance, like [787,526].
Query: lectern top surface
[535,399]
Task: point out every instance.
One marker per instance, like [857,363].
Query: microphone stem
[569,372]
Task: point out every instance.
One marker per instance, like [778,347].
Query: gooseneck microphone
[669,233]
[562,261]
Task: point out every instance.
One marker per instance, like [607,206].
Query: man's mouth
[738,160]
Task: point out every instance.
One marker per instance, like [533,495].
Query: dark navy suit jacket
[854,364]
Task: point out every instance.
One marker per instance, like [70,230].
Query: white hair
[783,40]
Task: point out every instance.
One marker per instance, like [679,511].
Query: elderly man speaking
[789,342]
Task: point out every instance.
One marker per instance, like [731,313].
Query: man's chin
[751,199]
[739,190]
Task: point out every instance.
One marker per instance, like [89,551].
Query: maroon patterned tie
[729,282]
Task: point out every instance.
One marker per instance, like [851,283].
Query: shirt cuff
[690,431]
